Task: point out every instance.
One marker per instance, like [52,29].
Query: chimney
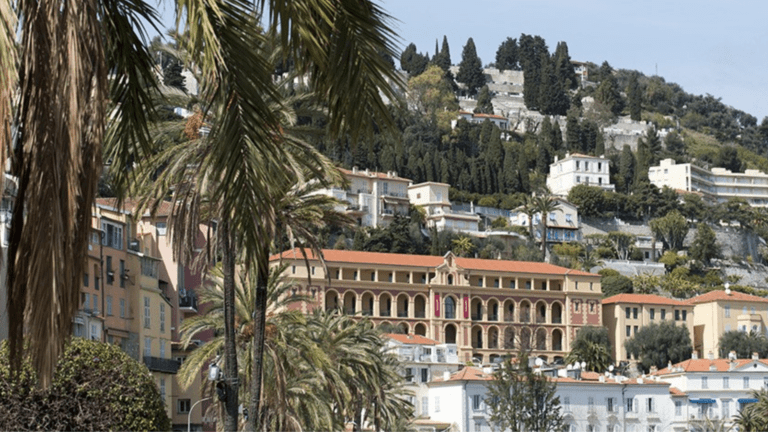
[653,369]
[446,375]
[755,356]
[639,380]
[711,355]
[694,355]
[732,356]
[601,378]
[354,170]
[669,366]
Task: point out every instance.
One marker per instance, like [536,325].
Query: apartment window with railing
[609,404]
[162,348]
[147,346]
[630,405]
[147,315]
[162,318]
[113,235]
[110,273]
[476,402]
[650,405]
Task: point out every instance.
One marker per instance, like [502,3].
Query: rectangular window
[629,331]
[652,313]
[424,406]
[162,389]
[109,305]
[649,405]
[424,375]
[591,403]
[122,308]
[147,320]
[162,348]
[726,384]
[704,383]
[85,279]
[678,408]
[609,404]
[162,228]
[634,313]
[437,403]
[635,332]
[726,409]
[162,318]
[110,272]
[566,404]
[113,235]
[630,405]
[475,402]
[123,276]
[685,315]
[727,311]
[677,315]
[147,346]
[96,302]
[409,375]
[628,312]
[182,406]
[663,314]
[746,382]
[94,332]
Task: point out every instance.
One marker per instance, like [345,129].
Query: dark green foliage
[572,131]
[670,230]
[520,399]
[674,144]
[470,69]
[589,199]
[635,98]
[413,62]
[743,343]
[400,236]
[484,105]
[626,172]
[659,344]
[613,285]
[564,68]
[443,58]
[728,158]
[552,97]
[608,93]
[593,347]
[531,50]
[506,55]
[96,386]
[172,75]
[704,246]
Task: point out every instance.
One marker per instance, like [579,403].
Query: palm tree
[95,59]
[463,246]
[544,205]
[529,209]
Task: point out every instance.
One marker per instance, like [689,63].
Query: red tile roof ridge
[411,339]
[643,298]
[704,365]
[432,261]
[718,294]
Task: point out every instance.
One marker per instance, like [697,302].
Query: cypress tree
[471,69]
[572,133]
[564,68]
[557,137]
[506,55]
[484,104]
[635,97]
[626,169]
[443,58]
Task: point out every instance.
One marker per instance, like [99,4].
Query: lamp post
[189,415]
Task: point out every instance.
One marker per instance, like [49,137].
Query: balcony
[157,364]
[188,303]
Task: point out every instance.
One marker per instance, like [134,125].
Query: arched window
[450,308]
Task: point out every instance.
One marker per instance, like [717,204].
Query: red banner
[437,305]
[466,307]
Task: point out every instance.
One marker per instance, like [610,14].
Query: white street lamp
[189,416]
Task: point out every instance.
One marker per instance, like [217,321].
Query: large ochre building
[487,308]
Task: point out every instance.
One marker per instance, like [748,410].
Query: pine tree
[674,143]
[506,55]
[635,97]
[172,76]
[484,104]
[471,69]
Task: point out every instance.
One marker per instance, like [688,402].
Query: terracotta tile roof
[594,378]
[674,391]
[411,339]
[703,365]
[643,299]
[372,174]
[130,205]
[467,374]
[428,261]
[720,295]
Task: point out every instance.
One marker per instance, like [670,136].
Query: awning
[747,400]
[702,401]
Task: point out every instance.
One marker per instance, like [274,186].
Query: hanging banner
[466,307]
[437,305]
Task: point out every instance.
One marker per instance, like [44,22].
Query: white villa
[433,198]
[575,169]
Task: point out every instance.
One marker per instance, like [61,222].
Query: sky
[706,47]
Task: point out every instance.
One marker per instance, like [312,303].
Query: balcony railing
[386,312]
[402,314]
[367,312]
[476,317]
[493,317]
[158,364]
[188,302]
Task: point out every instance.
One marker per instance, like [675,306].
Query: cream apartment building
[625,314]
[433,198]
[720,311]
[716,185]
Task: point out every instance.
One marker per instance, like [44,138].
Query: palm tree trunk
[544,236]
[230,350]
[259,323]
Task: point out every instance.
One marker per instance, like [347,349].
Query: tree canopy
[743,343]
[593,347]
[521,400]
[659,344]
[471,68]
